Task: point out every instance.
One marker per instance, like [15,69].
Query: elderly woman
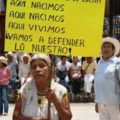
[107,87]
[42,98]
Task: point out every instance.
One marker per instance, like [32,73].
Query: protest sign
[59,27]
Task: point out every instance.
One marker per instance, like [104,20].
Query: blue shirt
[12,65]
[106,82]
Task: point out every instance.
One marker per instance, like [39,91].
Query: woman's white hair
[44,57]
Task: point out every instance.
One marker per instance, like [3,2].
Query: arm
[75,75]
[17,115]
[20,71]
[71,73]
[83,70]
[95,66]
[17,111]
[62,107]
[79,72]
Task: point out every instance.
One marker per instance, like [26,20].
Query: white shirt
[23,70]
[61,66]
[106,82]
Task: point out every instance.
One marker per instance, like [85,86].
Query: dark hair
[63,57]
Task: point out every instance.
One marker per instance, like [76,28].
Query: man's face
[10,58]
[64,59]
[107,50]
[89,59]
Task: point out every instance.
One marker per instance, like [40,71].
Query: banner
[59,27]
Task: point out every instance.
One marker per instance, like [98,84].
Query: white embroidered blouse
[30,105]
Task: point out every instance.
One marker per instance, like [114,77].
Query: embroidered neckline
[40,94]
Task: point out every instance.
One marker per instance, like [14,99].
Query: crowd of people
[46,81]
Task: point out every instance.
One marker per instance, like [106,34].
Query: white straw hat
[10,54]
[3,60]
[25,55]
[114,42]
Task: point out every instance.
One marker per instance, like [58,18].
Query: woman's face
[39,70]
[107,50]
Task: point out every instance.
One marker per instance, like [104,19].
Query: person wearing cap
[107,89]
[24,65]
[41,98]
[13,66]
[5,76]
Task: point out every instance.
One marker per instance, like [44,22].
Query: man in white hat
[23,71]
[107,97]
[13,65]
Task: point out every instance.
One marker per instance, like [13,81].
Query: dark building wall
[114,7]
[2,31]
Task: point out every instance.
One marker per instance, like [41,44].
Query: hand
[96,108]
[50,95]
[75,76]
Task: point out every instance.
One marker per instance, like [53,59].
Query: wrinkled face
[39,70]
[107,50]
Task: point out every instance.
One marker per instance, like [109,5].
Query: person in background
[107,87]
[42,98]
[75,75]
[5,76]
[24,67]
[88,69]
[118,55]
[13,66]
[62,71]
